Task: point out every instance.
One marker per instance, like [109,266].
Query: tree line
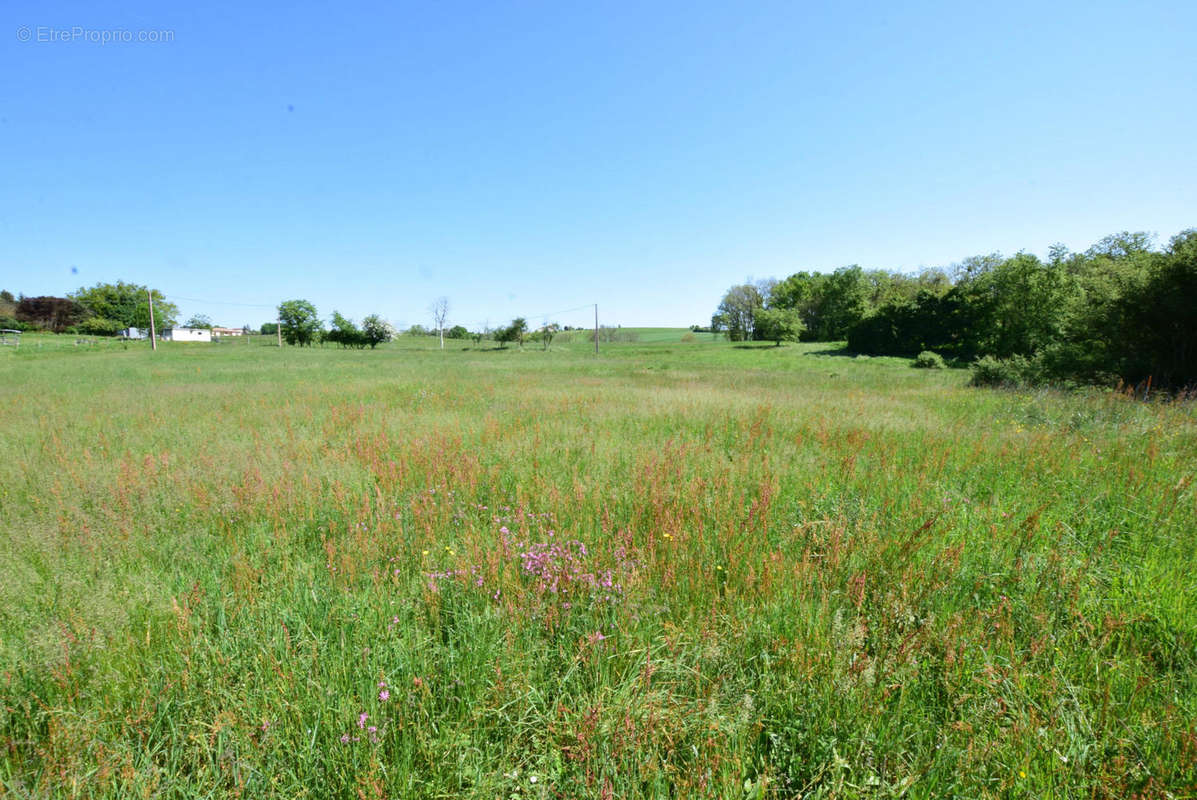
[1123,310]
[105,309]
[301,325]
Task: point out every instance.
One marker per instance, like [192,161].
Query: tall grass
[678,570]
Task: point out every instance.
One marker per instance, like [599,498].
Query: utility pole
[278,328]
[153,332]
[596,329]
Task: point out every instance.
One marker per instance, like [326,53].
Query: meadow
[681,569]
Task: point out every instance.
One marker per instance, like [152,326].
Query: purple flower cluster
[560,568]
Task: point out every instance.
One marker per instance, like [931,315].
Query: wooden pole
[596,329]
[153,332]
[278,328]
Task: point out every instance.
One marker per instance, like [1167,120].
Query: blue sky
[522,158]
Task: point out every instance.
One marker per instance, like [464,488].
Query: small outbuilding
[186,335]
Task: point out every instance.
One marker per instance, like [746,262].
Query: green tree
[777,325]
[299,321]
[515,332]
[844,303]
[98,326]
[269,328]
[199,321]
[737,312]
[126,303]
[344,332]
[547,332]
[376,330]
[518,330]
[803,292]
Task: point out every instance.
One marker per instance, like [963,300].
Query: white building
[186,335]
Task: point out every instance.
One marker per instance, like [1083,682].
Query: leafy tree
[1123,245]
[376,330]
[547,332]
[126,303]
[518,330]
[458,332]
[299,321]
[199,321]
[344,332]
[777,325]
[737,311]
[1157,321]
[515,332]
[50,313]
[98,326]
[844,303]
[6,296]
[1015,307]
[417,330]
[802,292]
[269,328]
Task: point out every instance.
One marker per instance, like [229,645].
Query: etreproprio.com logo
[44,34]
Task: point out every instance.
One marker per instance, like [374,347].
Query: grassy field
[682,569]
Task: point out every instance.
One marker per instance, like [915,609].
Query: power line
[218,302]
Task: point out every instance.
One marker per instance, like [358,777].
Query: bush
[1009,373]
[99,326]
[929,359]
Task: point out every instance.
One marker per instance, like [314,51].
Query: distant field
[680,569]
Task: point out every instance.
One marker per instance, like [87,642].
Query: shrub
[1009,373]
[929,359]
[99,326]
[14,324]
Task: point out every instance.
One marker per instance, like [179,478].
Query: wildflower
[361,719]
[384,695]
[425,552]
[344,738]
[1022,773]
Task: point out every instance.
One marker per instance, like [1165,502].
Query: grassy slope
[825,575]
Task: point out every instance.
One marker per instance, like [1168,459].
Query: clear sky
[526,157]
